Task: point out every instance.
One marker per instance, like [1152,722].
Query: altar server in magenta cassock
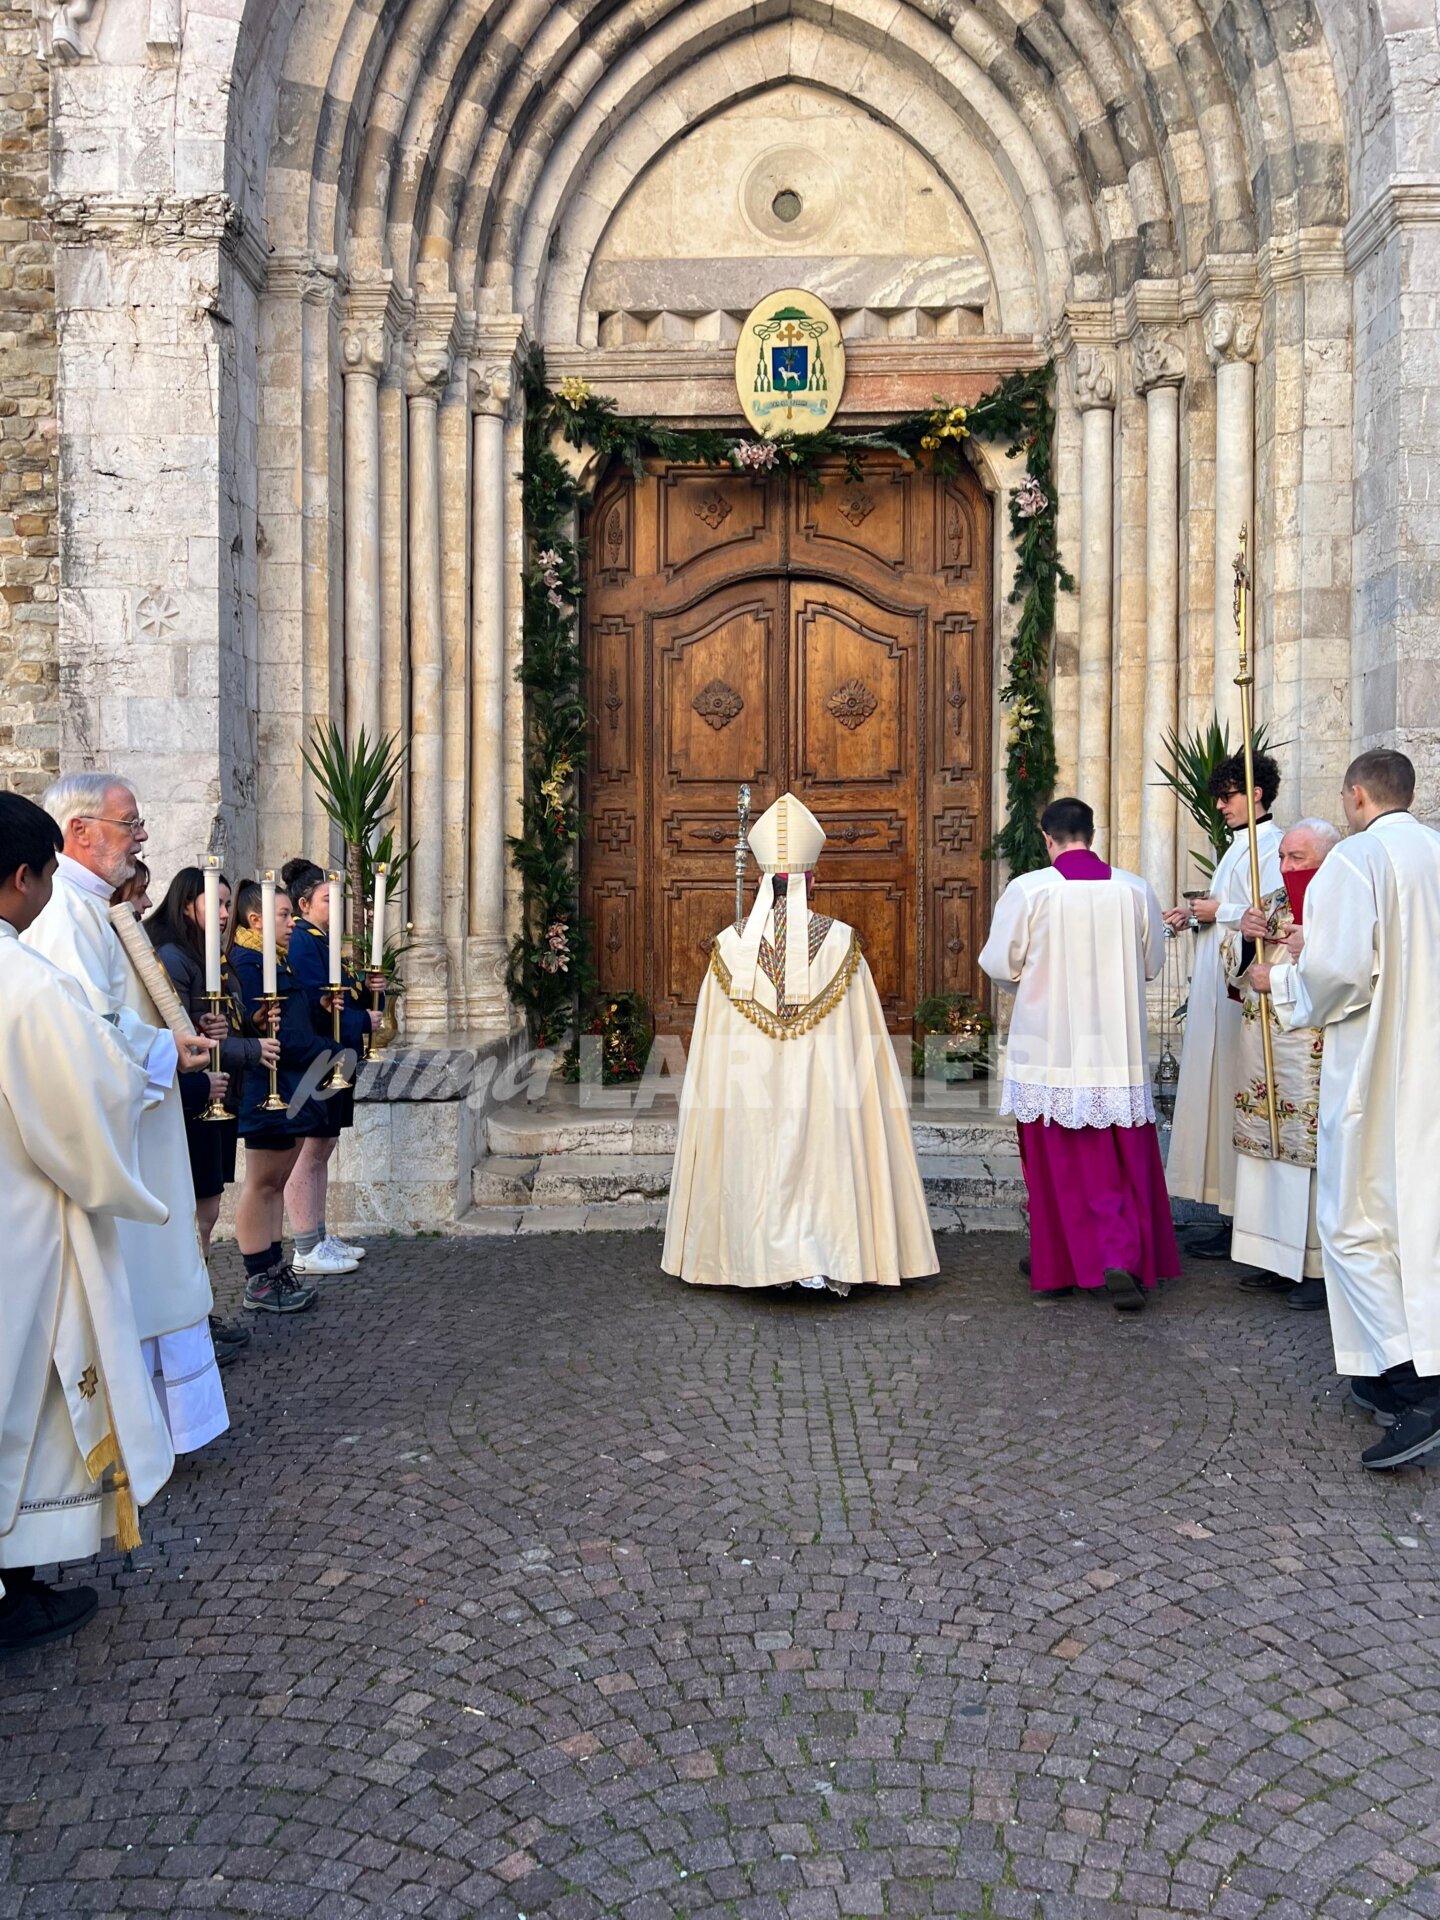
[169,1284]
[1368,976]
[1076,943]
[83,1442]
[794,1163]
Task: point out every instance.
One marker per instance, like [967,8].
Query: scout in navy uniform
[272,1141]
[317,1250]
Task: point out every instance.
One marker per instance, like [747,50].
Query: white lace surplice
[1077,954]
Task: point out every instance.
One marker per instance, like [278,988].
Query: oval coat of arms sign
[790,364]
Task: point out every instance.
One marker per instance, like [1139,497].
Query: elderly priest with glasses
[103,833]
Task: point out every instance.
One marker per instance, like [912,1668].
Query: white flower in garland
[1030,498]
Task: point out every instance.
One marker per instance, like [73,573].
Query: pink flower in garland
[754,456]
[555,956]
[1030,498]
[550,564]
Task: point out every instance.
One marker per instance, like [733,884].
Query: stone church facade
[268,269]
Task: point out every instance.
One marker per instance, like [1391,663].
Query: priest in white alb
[1075,942]
[82,1439]
[1369,975]
[170,1286]
[794,1161]
[1201,1162]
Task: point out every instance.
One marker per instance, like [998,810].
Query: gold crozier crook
[1245,681]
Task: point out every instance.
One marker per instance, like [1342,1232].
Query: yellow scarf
[247,937]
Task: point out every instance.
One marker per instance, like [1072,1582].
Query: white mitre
[787,839]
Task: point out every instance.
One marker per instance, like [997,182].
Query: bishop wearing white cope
[169,1282]
[1200,1164]
[794,1162]
[81,1432]
[1369,975]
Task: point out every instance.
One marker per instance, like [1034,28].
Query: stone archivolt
[399,200]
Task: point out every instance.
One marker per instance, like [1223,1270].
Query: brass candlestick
[337,1081]
[374,1045]
[1245,681]
[217,1110]
[272,1002]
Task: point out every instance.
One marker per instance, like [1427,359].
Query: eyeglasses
[132,826]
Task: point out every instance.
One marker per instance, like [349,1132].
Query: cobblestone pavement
[531,1583]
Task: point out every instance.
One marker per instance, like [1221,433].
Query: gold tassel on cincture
[127,1520]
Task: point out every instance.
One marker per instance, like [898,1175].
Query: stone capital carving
[1159,360]
[1095,380]
[1231,332]
[364,348]
[427,367]
[490,388]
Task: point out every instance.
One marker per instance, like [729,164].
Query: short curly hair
[1229,778]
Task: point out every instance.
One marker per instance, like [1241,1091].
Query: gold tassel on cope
[127,1520]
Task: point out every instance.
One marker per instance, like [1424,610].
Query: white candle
[267,933]
[212,924]
[337,926]
[377,920]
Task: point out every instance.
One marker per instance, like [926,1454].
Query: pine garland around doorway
[549,968]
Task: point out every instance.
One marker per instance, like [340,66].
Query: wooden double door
[836,644]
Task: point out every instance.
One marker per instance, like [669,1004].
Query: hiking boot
[277,1291]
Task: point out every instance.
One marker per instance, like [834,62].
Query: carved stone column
[487,1000]
[1159,373]
[427,964]
[1095,381]
[1230,336]
[364,350]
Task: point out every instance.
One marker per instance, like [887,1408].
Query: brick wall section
[29,567]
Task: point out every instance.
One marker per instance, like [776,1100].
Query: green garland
[549,967]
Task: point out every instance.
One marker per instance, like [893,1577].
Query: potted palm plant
[1186,770]
[356,786]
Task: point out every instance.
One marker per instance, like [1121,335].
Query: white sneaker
[343,1247]
[324,1260]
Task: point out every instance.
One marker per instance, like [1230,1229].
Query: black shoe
[1024,1264]
[1307,1296]
[1042,1296]
[1415,1437]
[277,1291]
[1374,1396]
[1216,1247]
[1124,1290]
[231,1333]
[35,1614]
[1265,1283]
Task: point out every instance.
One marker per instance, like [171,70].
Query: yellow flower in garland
[574,391]
[946,423]
[552,787]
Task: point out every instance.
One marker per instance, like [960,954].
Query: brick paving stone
[528,1581]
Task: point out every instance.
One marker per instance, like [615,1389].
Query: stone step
[591,1179]
[517,1135]
[953,1180]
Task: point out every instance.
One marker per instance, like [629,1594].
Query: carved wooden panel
[711,730]
[612,534]
[708,511]
[615,930]
[881,912]
[612,698]
[957,934]
[861,833]
[954,707]
[691,914]
[956,535]
[866,520]
[855,710]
